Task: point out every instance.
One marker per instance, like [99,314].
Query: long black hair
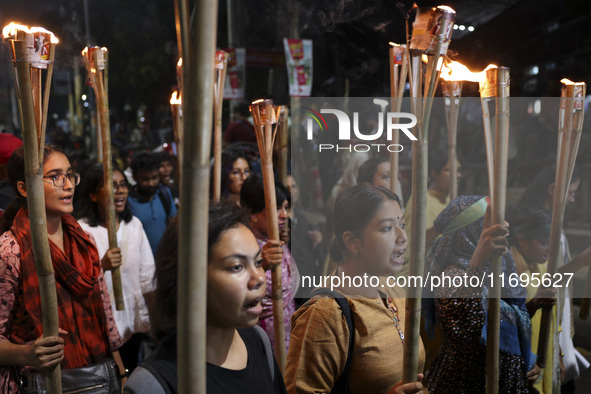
[354,208]
[91,182]
[16,174]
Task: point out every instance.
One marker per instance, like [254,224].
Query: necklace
[394,311]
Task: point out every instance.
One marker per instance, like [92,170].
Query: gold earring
[254,219]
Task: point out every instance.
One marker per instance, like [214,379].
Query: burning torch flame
[456,71]
[10,30]
[174,100]
[180,63]
[567,81]
[446,8]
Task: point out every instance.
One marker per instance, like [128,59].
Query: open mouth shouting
[397,256]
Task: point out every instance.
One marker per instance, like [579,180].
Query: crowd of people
[344,340]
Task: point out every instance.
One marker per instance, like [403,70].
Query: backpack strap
[162,363]
[268,349]
[145,379]
[341,385]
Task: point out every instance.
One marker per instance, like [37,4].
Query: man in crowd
[153,206]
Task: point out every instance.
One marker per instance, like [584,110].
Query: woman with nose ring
[370,241]
[133,255]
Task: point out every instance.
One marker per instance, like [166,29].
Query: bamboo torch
[176,106]
[221,66]
[452,91]
[398,75]
[283,132]
[96,59]
[198,45]
[496,86]
[264,116]
[431,36]
[570,125]
[33,50]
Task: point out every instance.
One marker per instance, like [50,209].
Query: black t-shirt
[255,378]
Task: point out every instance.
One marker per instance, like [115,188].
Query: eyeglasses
[238,173]
[59,180]
[123,185]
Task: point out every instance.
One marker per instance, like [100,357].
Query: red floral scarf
[80,306]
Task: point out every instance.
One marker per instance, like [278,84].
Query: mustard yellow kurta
[319,346]
[544,383]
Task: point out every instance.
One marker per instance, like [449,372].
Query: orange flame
[175,99]
[456,71]
[180,63]
[567,81]
[10,30]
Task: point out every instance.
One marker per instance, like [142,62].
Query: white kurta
[137,273]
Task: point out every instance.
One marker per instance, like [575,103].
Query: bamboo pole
[36,203]
[221,65]
[176,107]
[77,97]
[421,107]
[398,75]
[198,43]
[283,143]
[586,302]
[97,61]
[569,133]
[500,78]
[45,104]
[263,116]
[452,91]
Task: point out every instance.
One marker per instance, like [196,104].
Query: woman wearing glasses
[133,255]
[235,170]
[88,334]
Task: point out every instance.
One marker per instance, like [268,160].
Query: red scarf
[80,306]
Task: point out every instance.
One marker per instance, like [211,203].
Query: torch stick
[497,85]
[569,132]
[177,125]
[398,74]
[264,117]
[36,81]
[221,65]
[199,43]
[452,91]
[35,196]
[46,90]
[97,65]
[585,303]
[435,47]
[283,142]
